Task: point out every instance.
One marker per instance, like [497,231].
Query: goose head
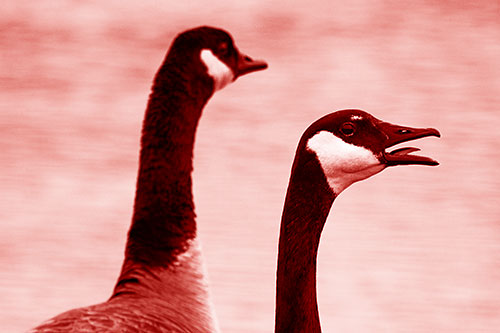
[351,145]
[214,54]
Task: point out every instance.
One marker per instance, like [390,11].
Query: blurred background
[413,249]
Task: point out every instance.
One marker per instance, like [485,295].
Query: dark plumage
[318,175]
[161,287]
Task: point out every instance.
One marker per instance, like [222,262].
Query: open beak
[396,134]
[247,65]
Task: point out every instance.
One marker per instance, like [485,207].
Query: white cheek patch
[219,71]
[343,163]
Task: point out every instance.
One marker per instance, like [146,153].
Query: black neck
[164,220]
[307,203]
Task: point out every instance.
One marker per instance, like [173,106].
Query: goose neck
[307,204]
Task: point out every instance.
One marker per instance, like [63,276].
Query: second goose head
[212,53]
[351,145]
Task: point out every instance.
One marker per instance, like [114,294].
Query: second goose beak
[248,65]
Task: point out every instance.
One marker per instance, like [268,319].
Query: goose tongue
[396,134]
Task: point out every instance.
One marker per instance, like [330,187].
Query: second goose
[335,151]
[161,287]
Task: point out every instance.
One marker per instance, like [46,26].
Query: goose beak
[396,134]
[247,65]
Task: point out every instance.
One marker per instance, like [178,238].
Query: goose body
[335,151]
[162,287]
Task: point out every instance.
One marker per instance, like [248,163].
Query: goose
[337,150]
[162,286]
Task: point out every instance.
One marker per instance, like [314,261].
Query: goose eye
[223,49]
[348,129]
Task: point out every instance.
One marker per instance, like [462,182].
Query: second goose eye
[348,129]
[223,49]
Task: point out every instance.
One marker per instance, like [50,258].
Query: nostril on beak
[247,58]
[404,131]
